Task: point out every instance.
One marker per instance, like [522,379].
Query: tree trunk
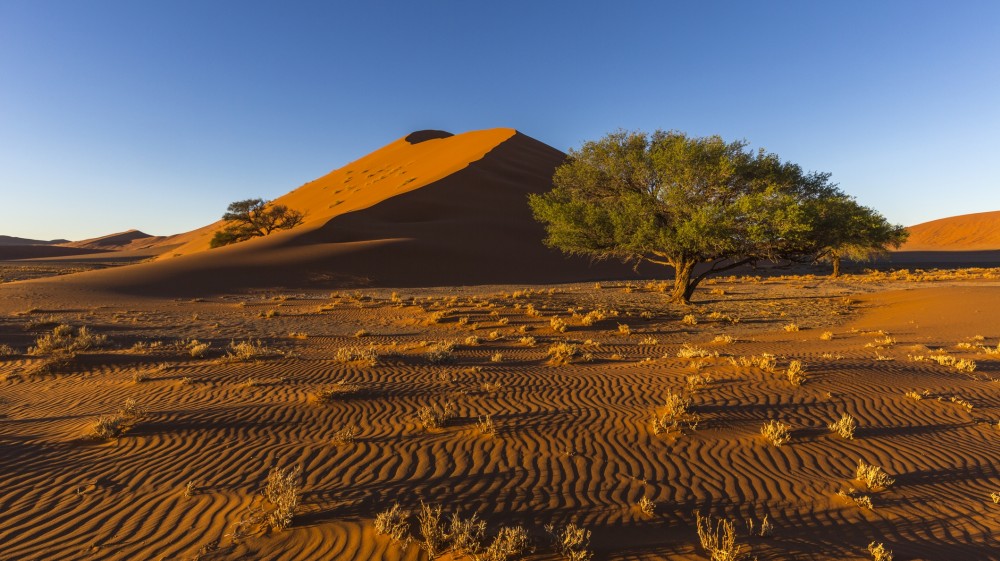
[683,284]
[836,266]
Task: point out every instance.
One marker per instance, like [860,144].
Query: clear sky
[155,115]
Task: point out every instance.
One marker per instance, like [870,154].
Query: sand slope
[127,240]
[446,210]
[969,232]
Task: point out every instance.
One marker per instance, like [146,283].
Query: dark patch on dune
[421,136]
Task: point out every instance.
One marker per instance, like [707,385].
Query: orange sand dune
[128,240]
[446,210]
[969,232]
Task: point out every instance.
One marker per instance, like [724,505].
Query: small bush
[689,319]
[509,542]
[65,339]
[562,353]
[7,351]
[718,538]
[395,524]
[845,426]
[432,529]
[336,392]
[436,416]
[345,435]
[690,351]
[776,432]
[796,373]
[874,477]
[283,492]
[486,426]
[557,324]
[570,541]
[676,413]
[441,352]
[879,552]
[826,336]
[247,351]
[110,427]
[647,506]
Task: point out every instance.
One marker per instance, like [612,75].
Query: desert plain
[410,374]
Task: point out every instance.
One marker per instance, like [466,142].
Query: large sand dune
[428,209]
[968,232]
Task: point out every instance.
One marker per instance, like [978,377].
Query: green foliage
[253,218]
[848,230]
[682,201]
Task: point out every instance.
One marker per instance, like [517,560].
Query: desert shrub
[509,542]
[879,552]
[723,339]
[432,530]
[472,341]
[247,351]
[283,491]
[336,392]
[557,324]
[647,506]
[766,362]
[344,435]
[110,427]
[690,351]
[776,432]
[197,349]
[369,355]
[467,535]
[796,373]
[649,341]
[689,319]
[874,477]
[917,396]
[845,426]
[592,317]
[718,538]
[6,351]
[791,327]
[696,382]
[995,497]
[562,353]
[395,524]
[570,541]
[65,339]
[676,414]
[528,341]
[960,364]
[485,425]
[441,352]
[826,336]
[860,499]
[436,416]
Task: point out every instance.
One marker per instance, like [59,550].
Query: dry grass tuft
[874,477]
[776,432]
[247,351]
[688,350]
[432,530]
[570,541]
[562,353]
[110,427]
[395,524]
[336,392]
[283,491]
[718,538]
[879,552]
[676,414]
[64,339]
[436,416]
[796,373]
[647,506]
[845,426]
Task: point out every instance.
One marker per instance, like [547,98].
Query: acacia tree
[847,230]
[253,218]
[682,202]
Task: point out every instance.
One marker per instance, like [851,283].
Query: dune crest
[969,232]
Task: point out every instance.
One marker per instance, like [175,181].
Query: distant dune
[968,232]
[130,239]
[11,240]
[428,209]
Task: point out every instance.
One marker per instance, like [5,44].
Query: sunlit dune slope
[401,166]
[447,210]
[130,239]
[968,232]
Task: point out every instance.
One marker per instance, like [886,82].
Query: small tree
[848,230]
[253,218]
[681,201]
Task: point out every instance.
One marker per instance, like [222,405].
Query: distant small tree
[254,218]
[847,230]
[681,201]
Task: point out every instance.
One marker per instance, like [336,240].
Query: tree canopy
[253,218]
[682,201]
[847,230]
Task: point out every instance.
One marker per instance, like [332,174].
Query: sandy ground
[574,442]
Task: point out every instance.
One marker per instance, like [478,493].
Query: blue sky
[156,115]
